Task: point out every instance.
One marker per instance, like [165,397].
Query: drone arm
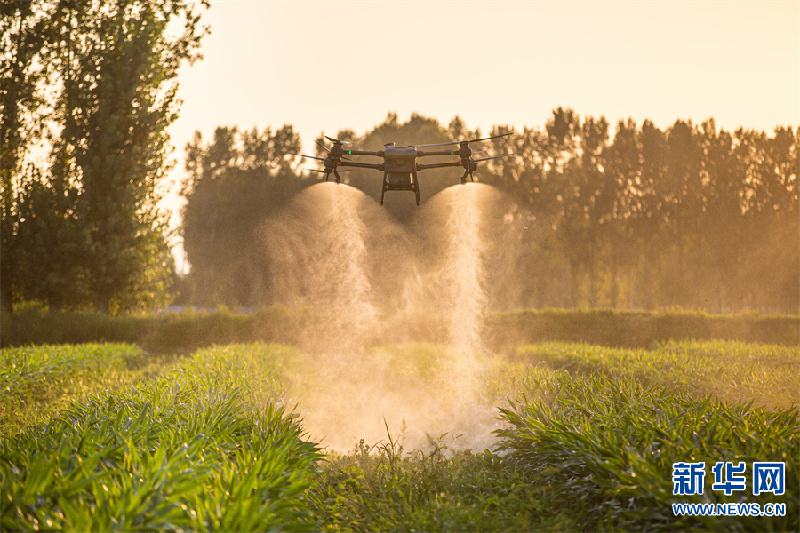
[438,165]
[362,152]
[437,152]
[374,166]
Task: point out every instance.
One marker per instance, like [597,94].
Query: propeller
[314,157]
[452,143]
[492,137]
[304,155]
[438,144]
[496,156]
[337,141]
[319,143]
[471,165]
[337,152]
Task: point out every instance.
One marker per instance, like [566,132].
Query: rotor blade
[336,140]
[343,158]
[492,137]
[439,144]
[339,169]
[468,141]
[496,156]
[304,155]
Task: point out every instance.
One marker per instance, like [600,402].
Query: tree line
[88,90]
[622,216]
[690,216]
[627,217]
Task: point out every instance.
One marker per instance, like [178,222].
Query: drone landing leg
[464,177]
[385,182]
[338,177]
[416,184]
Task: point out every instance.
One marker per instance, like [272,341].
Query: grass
[607,444]
[730,371]
[188,331]
[36,381]
[384,488]
[165,333]
[637,328]
[200,448]
[109,437]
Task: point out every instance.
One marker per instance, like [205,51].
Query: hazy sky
[325,66]
[330,65]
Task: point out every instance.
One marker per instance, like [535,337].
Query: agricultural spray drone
[400,165]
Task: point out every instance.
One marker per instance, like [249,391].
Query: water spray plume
[318,256]
[463,270]
[372,282]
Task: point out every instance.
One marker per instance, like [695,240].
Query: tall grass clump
[163,333]
[636,328]
[197,449]
[606,444]
[730,371]
[382,487]
[189,330]
[40,326]
[36,380]
[260,371]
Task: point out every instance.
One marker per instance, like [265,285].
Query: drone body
[400,173]
[400,167]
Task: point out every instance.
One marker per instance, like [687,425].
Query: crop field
[227,305]
[555,436]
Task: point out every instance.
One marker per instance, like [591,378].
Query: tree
[116,65]
[234,182]
[23,32]
[647,219]
[621,184]
[596,197]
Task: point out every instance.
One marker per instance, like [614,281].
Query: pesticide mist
[377,285]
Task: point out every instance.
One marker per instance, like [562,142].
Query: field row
[189,330]
[101,437]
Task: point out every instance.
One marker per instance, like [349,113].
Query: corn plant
[607,444]
[36,381]
[728,370]
[193,450]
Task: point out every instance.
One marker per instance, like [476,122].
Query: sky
[326,65]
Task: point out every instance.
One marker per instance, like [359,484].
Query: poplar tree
[102,242]
[22,37]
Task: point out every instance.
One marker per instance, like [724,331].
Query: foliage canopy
[86,230]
